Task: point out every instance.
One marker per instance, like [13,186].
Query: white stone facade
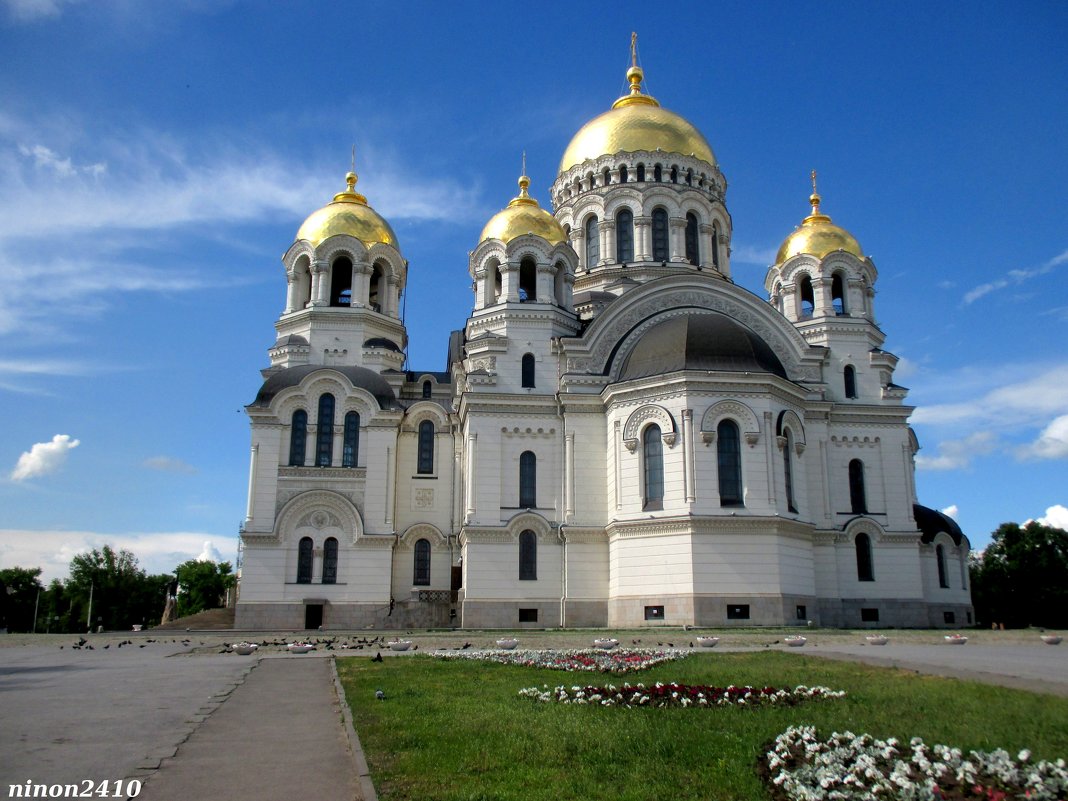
[625,437]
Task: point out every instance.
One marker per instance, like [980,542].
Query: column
[677,238]
[469,502]
[769,451]
[545,283]
[361,283]
[510,281]
[578,244]
[320,292]
[616,442]
[250,508]
[687,450]
[643,240]
[603,227]
[706,248]
[392,296]
[391,485]
[569,477]
[291,291]
[821,294]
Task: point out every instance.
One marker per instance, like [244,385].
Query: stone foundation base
[849,613]
[294,616]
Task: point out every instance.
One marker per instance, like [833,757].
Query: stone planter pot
[300,647]
[244,648]
[796,642]
[400,645]
[137,626]
[956,639]
[508,643]
[708,642]
[876,639]
[606,643]
[1051,639]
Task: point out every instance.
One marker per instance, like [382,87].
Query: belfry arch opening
[528,281]
[341,282]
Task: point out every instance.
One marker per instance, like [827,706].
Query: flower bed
[625,660]
[678,695]
[850,766]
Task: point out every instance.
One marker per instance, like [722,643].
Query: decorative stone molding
[319,508]
[421,531]
[648,413]
[734,410]
[516,431]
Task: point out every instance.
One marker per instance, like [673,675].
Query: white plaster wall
[491,572]
[654,565]
[587,570]
[752,564]
[895,566]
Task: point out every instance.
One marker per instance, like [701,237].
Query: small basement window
[737,611]
[869,615]
[528,615]
[949,617]
[802,612]
[654,613]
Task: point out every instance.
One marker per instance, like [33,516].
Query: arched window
[624,236]
[788,470]
[607,176]
[838,298]
[298,437]
[593,243]
[324,431]
[330,561]
[658,174]
[498,284]
[304,560]
[652,468]
[674,175]
[807,297]
[528,556]
[341,282]
[858,504]
[729,454]
[715,248]
[660,235]
[623,173]
[426,448]
[865,572]
[691,238]
[375,289]
[641,173]
[528,370]
[850,376]
[422,564]
[943,576]
[350,450]
[528,480]
[689,177]
[428,389]
[528,281]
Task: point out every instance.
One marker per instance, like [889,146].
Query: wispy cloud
[1052,443]
[1014,278]
[34,10]
[1017,402]
[44,457]
[959,454]
[742,253]
[168,464]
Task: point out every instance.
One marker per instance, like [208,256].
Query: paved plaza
[191,722]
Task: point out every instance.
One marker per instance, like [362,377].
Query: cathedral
[624,437]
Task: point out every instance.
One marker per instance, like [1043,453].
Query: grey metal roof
[359,377]
[931,521]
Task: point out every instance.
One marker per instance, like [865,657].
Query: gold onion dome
[817,235]
[636,122]
[347,214]
[522,216]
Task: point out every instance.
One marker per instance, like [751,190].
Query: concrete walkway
[281,735]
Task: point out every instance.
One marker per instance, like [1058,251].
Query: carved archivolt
[423,531]
[532,521]
[425,410]
[862,525]
[788,419]
[319,509]
[644,415]
[738,412]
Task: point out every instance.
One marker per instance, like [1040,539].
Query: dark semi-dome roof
[931,521]
[361,378]
[700,341]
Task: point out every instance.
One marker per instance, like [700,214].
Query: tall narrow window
[658,174]
[850,378]
[428,389]
[729,453]
[788,471]
[641,173]
[426,448]
[375,293]
[623,173]
[330,561]
[943,576]
[528,281]
[528,480]
[838,299]
[865,572]
[528,556]
[807,297]
[715,248]
[652,468]
[422,564]
[304,560]
[324,432]
[660,235]
[858,504]
[350,452]
[298,436]
[624,236]
[674,175]
[607,175]
[527,370]
[341,282]
[593,243]
[691,238]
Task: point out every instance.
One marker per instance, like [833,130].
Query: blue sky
[156,159]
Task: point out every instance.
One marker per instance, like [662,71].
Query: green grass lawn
[458,730]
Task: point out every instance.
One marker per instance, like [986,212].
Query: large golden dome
[817,235]
[347,214]
[635,122]
[522,216]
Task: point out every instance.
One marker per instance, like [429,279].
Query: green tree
[1021,579]
[122,595]
[20,589]
[202,585]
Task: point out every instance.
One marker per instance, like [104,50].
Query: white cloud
[44,457]
[905,367]
[168,464]
[156,553]
[1052,443]
[32,10]
[1034,395]
[958,454]
[1015,278]
[210,553]
[951,511]
[749,254]
[1056,516]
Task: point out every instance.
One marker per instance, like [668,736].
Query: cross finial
[354,157]
[524,162]
[634,49]
[813,182]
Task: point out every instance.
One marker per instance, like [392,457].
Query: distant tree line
[121,594]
